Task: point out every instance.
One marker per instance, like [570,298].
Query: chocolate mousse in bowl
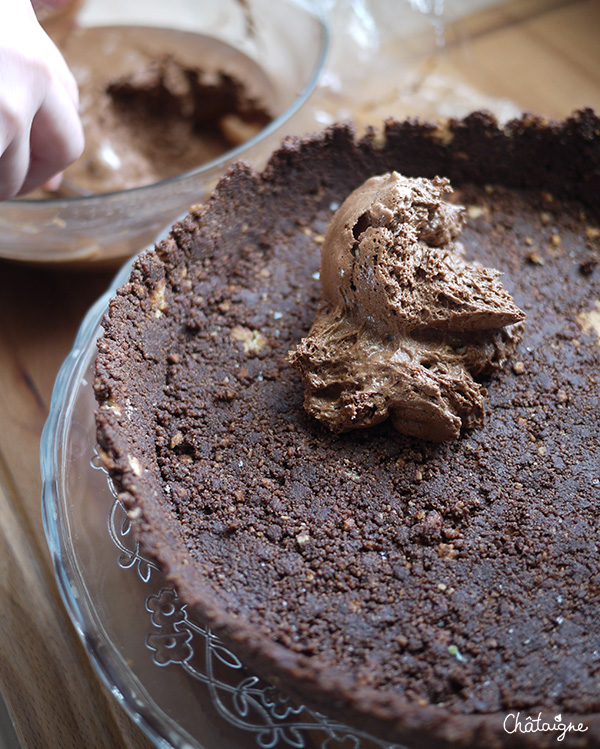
[158,102]
[351,407]
[170,94]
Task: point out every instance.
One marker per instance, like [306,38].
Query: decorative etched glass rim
[118,679]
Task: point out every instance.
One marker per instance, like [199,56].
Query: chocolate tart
[427,592]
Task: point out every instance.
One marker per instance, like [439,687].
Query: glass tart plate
[172,675]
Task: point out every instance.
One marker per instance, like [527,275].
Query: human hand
[40,129]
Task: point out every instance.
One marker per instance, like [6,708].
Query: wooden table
[542,54]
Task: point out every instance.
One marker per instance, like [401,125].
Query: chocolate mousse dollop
[405,323]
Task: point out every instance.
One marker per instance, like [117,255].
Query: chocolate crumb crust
[422,591]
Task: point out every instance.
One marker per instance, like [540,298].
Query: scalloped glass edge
[115,675]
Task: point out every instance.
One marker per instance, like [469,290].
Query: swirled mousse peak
[405,323]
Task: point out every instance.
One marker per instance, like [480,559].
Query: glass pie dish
[171,675]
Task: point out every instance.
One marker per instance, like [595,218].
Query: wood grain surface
[47,681]
[542,54]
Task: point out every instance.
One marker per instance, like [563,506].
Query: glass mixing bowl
[287,39]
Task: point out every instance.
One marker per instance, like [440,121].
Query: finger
[47,49]
[56,138]
[63,74]
[14,165]
[53,183]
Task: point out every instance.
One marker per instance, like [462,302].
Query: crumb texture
[421,589]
